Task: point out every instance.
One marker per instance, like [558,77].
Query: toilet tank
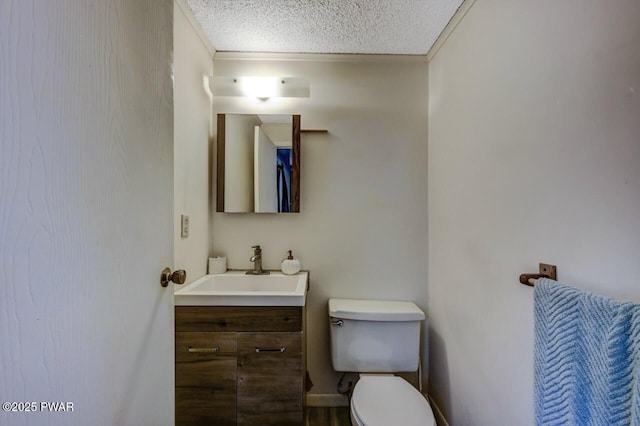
[374,336]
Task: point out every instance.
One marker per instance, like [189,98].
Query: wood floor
[328,416]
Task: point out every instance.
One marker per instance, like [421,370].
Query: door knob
[177,277]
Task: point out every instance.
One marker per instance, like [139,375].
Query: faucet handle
[256,247]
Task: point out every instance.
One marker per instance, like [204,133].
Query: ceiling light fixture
[260,87]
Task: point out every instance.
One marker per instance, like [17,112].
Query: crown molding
[449,28]
[186,10]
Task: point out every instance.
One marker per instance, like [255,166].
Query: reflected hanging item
[290,265]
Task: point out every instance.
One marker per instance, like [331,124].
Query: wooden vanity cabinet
[240,365]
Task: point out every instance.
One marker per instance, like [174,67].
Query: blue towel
[587,358]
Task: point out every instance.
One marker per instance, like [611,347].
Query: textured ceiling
[324,26]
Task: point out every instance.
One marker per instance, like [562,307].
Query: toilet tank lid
[374,310]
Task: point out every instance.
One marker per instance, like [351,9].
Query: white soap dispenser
[290,265]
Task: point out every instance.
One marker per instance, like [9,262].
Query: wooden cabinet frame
[240,365]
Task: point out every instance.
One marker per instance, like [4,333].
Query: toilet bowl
[386,400]
[382,337]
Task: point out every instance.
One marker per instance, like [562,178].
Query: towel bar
[546,271]
[530,279]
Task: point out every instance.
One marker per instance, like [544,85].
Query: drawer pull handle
[208,350]
[267,350]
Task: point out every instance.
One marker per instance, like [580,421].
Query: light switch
[184,221]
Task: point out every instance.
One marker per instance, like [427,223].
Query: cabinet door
[206,368]
[270,379]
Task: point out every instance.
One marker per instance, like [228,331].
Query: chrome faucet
[257,262]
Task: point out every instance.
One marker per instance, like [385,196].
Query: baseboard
[440,420]
[326,400]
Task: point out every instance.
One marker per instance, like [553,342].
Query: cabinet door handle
[270,350]
[208,350]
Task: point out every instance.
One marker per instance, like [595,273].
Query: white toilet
[379,338]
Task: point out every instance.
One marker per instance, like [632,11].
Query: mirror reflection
[258,163]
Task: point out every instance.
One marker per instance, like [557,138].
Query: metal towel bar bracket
[546,271]
[530,279]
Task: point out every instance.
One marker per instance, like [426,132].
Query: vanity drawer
[239,318]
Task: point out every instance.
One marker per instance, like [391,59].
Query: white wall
[534,150]
[239,170]
[279,133]
[362,229]
[193,61]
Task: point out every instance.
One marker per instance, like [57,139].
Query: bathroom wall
[193,60]
[362,229]
[534,144]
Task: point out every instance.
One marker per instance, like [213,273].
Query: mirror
[258,163]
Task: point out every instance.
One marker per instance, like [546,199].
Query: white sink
[235,288]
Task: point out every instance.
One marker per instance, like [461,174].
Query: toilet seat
[389,400]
